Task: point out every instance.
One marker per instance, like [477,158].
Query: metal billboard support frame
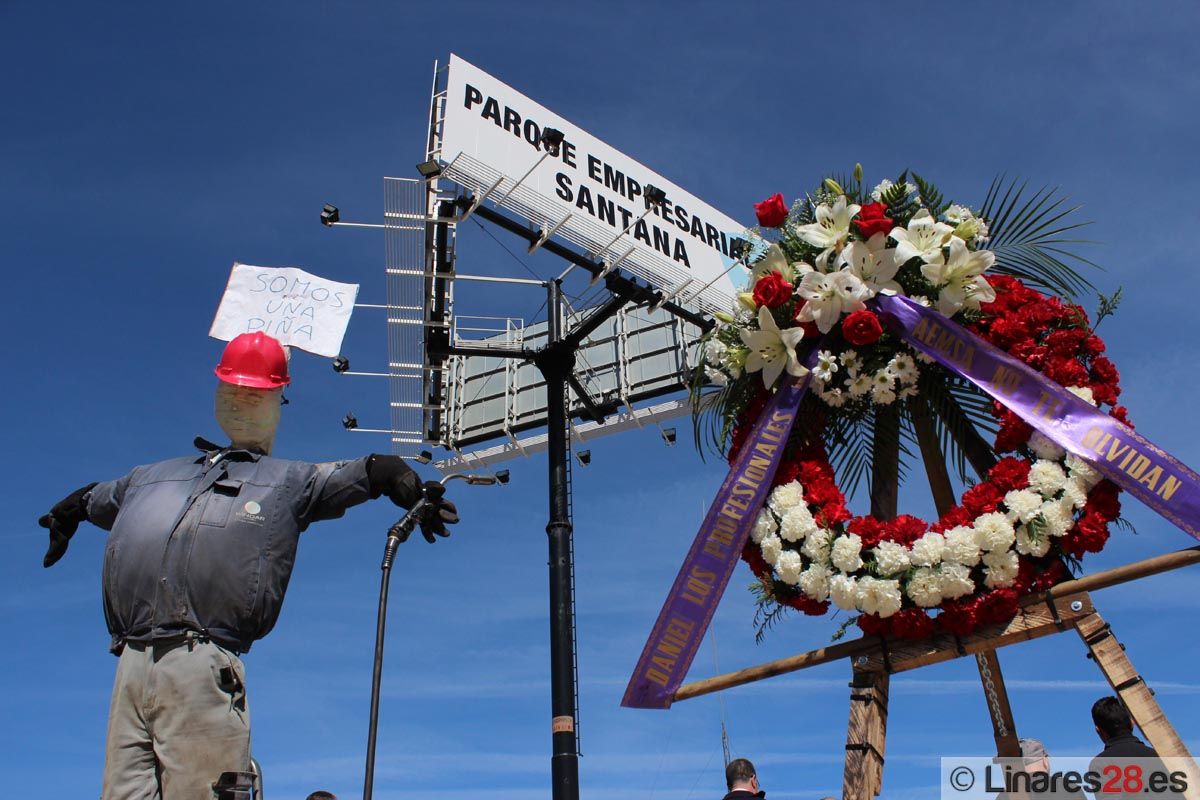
[556,361]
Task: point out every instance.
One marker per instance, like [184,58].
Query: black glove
[391,476]
[440,512]
[62,522]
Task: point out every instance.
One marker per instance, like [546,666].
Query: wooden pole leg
[866,736]
[1109,655]
[1004,728]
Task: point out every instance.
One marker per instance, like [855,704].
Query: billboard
[589,193]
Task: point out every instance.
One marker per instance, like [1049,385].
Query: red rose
[871,220]
[772,290]
[862,328]
[771,212]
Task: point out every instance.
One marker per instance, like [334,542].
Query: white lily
[772,261]
[831,229]
[830,296]
[874,263]
[772,350]
[960,280]
[923,237]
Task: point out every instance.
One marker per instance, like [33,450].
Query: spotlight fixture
[423,457]
[429,169]
[668,436]
[654,195]
[502,477]
[341,364]
[738,248]
[584,457]
[349,422]
[552,140]
[330,215]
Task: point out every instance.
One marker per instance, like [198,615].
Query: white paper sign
[297,308]
[596,184]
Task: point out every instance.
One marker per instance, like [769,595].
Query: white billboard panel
[491,138]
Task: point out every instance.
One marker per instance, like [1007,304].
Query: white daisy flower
[835,398]
[859,385]
[851,360]
[827,364]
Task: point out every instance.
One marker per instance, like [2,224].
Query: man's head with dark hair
[740,774]
[1111,718]
[321,794]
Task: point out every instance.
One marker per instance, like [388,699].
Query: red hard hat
[255,360]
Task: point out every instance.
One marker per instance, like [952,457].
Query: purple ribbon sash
[1120,454]
[702,579]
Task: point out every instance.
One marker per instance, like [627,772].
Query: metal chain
[989,687]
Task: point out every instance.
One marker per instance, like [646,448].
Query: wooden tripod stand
[874,659]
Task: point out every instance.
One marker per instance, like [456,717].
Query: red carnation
[1010,473]
[834,513]
[862,328]
[905,529]
[1093,345]
[1053,575]
[872,625]
[752,555]
[772,290]
[872,219]
[959,617]
[1066,342]
[998,605]
[952,519]
[1121,414]
[1105,370]
[869,529]
[982,498]
[771,212]
[1104,499]
[1013,433]
[802,602]
[912,623]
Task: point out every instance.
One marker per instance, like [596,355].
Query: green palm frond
[1028,232]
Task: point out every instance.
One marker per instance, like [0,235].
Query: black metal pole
[556,362]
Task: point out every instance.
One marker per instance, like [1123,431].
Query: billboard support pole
[556,361]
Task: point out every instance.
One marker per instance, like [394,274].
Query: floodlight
[341,364]
[738,248]
[349,422]
[585,457]
[552,140]
[668,436]
[429,169]
[330,215]
[423,457]
[654,195]
[502,476]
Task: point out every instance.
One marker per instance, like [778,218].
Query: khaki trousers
[178,719]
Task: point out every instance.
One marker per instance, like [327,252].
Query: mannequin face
[248,416]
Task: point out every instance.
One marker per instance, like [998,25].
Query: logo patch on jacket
[251,512]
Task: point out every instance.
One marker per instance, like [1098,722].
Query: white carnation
[714,350]
[771,546]
[1083,393]
[1044,447]
[1058,517]
[1001,569]
[1047,478]
[797,523]
[962,546]
[764,526]
[1031,544]
[1075,492]
[1023,505]
[817,545]
[785,497]
[925,587]
[789,566]
[844,591]
[1082,471]
[814,582]
[956,581]
[995,531]
[847,552]
[890,558]
[715,376]
[880,597]
[927,551]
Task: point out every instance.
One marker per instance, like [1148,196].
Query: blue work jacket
[207,543]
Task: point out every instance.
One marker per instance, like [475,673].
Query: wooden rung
[866,736]
[1032,622]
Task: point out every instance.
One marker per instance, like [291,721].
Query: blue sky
[148,146]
